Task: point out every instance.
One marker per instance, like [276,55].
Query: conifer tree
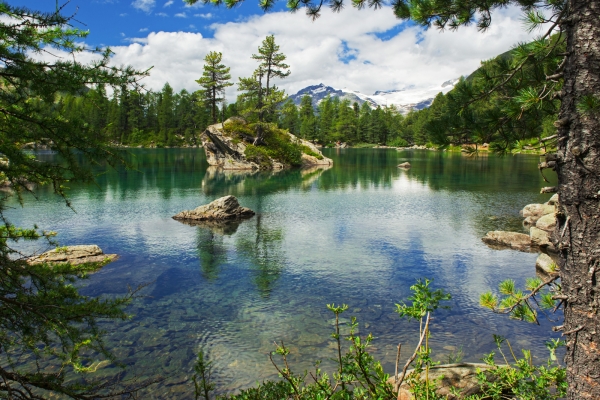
[215,79]
[259,97]
[42,313]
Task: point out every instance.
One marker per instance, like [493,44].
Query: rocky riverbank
[540,219]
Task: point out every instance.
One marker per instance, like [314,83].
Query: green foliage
[277,146]
[215,79]
[202,377]
[42,313]
[307,150]
[423,300]
[520,305]
[522,379]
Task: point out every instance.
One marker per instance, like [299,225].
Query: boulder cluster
[540,219]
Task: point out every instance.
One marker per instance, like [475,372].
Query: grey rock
[545,266]
[74,255]
[546,222]
[540,238]
[553,200]
[222,209]
[537,210]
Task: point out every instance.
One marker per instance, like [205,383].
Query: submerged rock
[223,209]
[405,165]
[74,255]
[461,376]
[504,239]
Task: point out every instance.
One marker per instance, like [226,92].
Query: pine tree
[214,81]
[271,63]
[42,313]
[259,98]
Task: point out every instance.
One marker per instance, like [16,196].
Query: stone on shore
[540,238]
[461,376]
[74,255]
[405,165]
[223,209]
[537,210]
[553,200]
[504,239]
[545,265]
[546,222]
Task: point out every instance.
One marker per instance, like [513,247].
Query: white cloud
[168,3]
[144,5]
[181,15]
[123,15]
[144,30]
[192,26]
[198,4]
[162,14]
[205,16]
[412,56]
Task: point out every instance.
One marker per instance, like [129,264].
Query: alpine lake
[359,233]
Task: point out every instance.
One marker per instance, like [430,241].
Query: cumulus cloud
[359,50]
[144,5]
[205,16]
[168,3]
[181,15]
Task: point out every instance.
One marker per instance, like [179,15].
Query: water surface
[359,233]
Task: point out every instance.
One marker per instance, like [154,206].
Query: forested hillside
[465,115]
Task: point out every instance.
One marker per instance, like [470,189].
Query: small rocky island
[224,209]
[74,255]
[234,145]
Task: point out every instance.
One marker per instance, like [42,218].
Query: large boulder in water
[223,209]
[74,255]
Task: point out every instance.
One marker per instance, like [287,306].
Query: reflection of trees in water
[212,253]
[218,182]
[264,252]
[483,172]
[364,167]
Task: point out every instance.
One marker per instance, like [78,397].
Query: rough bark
[577,235]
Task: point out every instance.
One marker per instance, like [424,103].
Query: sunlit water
[360,233]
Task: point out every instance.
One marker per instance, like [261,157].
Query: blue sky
[112,22]
[359,50]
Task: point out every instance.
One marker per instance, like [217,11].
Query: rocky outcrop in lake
[74,255]
[225,209]
[233,146]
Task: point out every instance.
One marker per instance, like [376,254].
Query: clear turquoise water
[359,233]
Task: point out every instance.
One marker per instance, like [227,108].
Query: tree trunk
[577,235]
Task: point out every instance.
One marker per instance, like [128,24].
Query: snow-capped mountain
[320,91]
[406,99]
